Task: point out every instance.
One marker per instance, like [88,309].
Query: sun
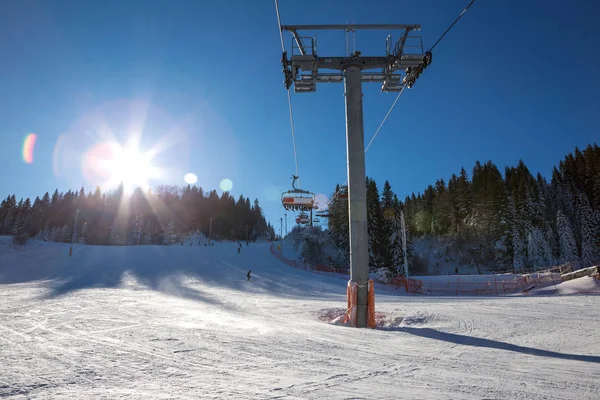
[129,166]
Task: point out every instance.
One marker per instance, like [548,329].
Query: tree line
[141,217]
[507,222]
[384,223]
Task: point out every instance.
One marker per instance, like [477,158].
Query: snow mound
[330,315]
[584,285]
[418,318]
[393,321]
[336,316]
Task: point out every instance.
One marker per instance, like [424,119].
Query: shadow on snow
[492,344]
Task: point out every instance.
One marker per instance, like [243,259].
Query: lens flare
[322,200]
[226,185]
[190,178]
[28,146]
[272,193]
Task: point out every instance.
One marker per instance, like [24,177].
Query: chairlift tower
[305,68]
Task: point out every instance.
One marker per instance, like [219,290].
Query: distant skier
[239,247]
[248,274]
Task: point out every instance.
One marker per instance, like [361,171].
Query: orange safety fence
[482,285]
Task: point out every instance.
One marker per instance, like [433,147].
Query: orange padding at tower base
[371,305]
[351,312]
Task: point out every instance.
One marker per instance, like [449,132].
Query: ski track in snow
[204,332]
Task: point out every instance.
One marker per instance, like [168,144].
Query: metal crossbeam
[349,26]
[305,70]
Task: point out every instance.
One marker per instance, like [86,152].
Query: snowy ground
[182,322]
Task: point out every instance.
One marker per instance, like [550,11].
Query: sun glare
[131,167]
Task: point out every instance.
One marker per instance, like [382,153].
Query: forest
[162,216]
[507,222]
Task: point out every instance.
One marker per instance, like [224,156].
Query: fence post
[496,284]
[554,282]
[457,284]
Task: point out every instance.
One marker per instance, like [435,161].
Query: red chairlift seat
[298,201]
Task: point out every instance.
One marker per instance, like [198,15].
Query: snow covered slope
[182,322]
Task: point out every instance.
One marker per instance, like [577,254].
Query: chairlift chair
[298,199]
[302,219]
[342,193]
[322,214]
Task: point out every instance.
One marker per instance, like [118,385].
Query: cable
[374,135]
[293,136]
[450,27]
[279,23]
[288,95]
[385,118]
[338,249]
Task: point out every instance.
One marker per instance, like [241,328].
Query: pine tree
[147,234]
[339,227]
[135,233]
[442,208]
[19,224]
[11,216]
[387,199]
[546,250]
[389,226]
[375,227]
[410,251]
[596,190]
[117,234]
[464,198]
[170,234]
[518,252]
[312,251]
[46,234]
[589,231]
[566,240]
[552,241]
[65,234]
[539,255]
[397,244]
[55,234]
[37,217]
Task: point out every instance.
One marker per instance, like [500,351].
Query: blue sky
[513,80]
